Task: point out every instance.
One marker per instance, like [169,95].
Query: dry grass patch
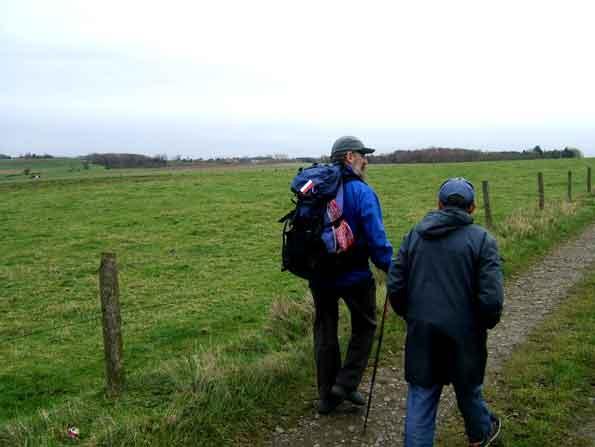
[291,319]
[531,222]
[195,372]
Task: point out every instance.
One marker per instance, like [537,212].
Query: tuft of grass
[193,373]
[526,234]
[532,222]
[291,319]
[215,410]
[203,399]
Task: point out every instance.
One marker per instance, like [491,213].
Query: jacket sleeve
[396,282]
[380,248]
[491,294]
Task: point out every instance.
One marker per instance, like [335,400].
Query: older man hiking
[446,281]
[353,282]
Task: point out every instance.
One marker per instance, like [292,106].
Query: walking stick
[376,361]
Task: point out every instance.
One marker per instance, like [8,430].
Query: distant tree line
[445,155]
[120,161]
[259,159]
[27,156]
[428,155]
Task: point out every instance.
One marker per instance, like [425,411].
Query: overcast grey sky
[223,78]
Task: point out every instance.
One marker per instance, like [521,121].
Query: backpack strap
[287,216]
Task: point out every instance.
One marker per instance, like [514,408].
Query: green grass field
[198,253]
[21,170]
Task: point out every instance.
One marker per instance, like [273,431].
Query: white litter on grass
[73,432]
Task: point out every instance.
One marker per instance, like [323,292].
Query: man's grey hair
[339,158]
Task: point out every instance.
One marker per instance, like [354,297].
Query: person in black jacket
[446,282]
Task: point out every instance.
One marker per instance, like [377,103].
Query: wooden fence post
[589,179]
[486,203]
[112,324]
[570,186]
[540,189]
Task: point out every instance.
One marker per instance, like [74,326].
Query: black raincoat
[446,281]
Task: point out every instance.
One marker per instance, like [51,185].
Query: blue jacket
[361,209]
[446,281]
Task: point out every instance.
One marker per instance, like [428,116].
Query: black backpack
[309,239]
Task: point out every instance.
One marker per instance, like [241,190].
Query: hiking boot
[355,397]
[492,436]
[327,406]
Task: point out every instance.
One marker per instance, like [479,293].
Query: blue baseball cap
[457,186]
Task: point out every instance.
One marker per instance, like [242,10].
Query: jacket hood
[439,223]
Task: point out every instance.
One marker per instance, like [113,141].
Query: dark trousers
[361,302]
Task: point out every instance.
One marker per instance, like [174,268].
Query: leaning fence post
[112,324]
[486,203]
[540,189]
[589,179]
[570,186]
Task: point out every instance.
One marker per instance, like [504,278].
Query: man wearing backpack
[354,283]
[446,281]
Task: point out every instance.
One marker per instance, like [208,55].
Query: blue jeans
[422,405]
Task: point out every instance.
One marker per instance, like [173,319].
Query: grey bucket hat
[347,143]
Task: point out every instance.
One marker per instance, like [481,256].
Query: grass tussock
[527,234]
[46,428]
[208,398]
[291,319]
[532,222]
[194,373]
[215,409]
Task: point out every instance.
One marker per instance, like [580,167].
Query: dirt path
[528,298]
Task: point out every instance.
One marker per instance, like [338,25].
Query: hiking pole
[376,361]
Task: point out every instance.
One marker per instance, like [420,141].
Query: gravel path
[528,298]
